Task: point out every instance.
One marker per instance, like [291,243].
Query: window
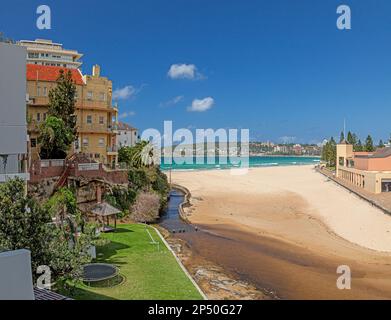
[101,142]
[45,116]
[89,119]
[90,95]
[33,143]
[102,96]
[33,55]
[38,91]
[38,117]
[45,91]
[101,120]
[85,142]
[97,155]
[386,186]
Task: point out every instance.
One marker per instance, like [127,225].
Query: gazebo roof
[104,209]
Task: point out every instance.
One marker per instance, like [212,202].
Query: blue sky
[280,68]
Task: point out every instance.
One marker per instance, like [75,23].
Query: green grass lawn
[148,274]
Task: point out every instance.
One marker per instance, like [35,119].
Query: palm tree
[143,154]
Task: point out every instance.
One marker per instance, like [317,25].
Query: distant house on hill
[127,135]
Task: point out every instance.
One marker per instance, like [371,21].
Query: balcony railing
[113,149]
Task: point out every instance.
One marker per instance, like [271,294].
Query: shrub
[161,186]
[122,199]
[138,179]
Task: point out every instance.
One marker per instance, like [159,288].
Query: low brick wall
[44,169]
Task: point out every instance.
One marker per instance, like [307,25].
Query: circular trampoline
[98,272]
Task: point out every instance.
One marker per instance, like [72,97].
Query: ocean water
[264,161]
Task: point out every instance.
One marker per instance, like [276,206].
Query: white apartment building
[127,135]
[13,126]
[47,53]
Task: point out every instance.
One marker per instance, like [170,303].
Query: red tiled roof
[50,73]
[125,126]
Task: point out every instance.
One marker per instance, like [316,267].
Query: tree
[342,137]
[332,153]
[138,179]
[369,147]
[359,146]
[381,144]
[350,139]
[54,138]
[329,153]
[121,198]
[62,100]
[140,155]
[125,155]
[24,224]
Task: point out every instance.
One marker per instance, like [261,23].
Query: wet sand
[280,240]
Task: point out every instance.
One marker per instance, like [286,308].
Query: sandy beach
[281,221]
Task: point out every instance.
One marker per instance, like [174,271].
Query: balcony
[93,128]
[12,167]
[112,151]
[114,128]
[38,101]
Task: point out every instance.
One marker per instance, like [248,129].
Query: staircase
[65,174]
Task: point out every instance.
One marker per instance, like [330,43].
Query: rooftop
[379,153]
[51,74]
[45,45]
[124,126]
[104,209]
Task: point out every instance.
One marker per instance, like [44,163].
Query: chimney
[98,194]
[96,71]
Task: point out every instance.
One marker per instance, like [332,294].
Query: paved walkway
[382,200]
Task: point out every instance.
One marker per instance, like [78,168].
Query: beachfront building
[13,127]
[127,135]
[96,117]
[47,53]
[368,170]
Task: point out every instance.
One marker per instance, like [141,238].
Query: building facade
[368,170]
[96,117]
[127,135]
[47,53]
[13,127]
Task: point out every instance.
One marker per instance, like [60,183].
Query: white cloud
[184,71]
[126,115]
[201,105]
[172,101]
[124,93]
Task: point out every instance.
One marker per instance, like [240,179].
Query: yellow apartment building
[97,119]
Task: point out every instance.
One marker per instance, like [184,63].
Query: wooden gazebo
[103,211]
